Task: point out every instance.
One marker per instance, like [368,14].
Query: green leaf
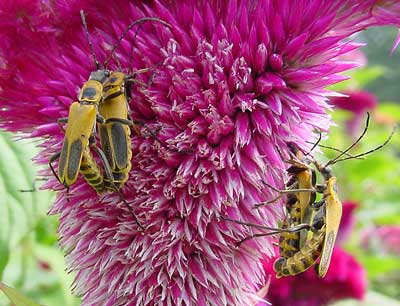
[16,297]
[4,256]
[5,232]
[19,211]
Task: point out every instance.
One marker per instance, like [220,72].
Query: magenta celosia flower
[232,82]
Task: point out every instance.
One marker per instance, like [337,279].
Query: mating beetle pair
[310,228]
[103,102]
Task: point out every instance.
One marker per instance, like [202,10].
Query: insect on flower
[75,154]
[115,130]
[108,88]
[298,205]
[300,195]
[330,199]
[297,255]
[238,81]
[307,254]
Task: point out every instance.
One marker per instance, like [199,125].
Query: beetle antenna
[314,145]
[134,40]
[140,21]
[337,158]
[89,39]
[335,149]
[370,151]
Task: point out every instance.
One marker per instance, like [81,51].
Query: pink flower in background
[383,239]
[358,103]
[347,222]
[233,82]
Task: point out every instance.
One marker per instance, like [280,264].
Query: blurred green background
[379,43]
[31,262]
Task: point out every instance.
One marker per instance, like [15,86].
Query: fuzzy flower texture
[230,84]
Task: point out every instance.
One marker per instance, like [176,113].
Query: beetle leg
[277,231]
[33,189]
[110,176]
[281,193]
[60,121]
[274,229]
[100,118]
[51,160]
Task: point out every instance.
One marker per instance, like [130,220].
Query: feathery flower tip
[230,84]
